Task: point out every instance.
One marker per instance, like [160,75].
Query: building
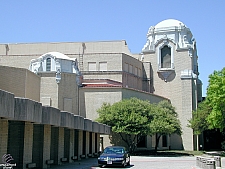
[78,77]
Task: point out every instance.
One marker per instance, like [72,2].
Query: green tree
[216,100]
[199,122]
[165,121]
[136,118]
[130,117]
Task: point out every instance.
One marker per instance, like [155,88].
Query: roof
[95,83]
[57,55]
[169,23]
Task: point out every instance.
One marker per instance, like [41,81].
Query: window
[166,57]
[103,66]
[126,67]
[136,71]
[48,64]
[91,66]
[130,68]
[139,72]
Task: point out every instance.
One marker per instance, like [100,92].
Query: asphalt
[142,162]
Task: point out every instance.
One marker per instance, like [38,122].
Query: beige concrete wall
[21,82]
[87,144]
[116,76]
[128,93]
[119,46]
[28,144]
[92,99]
[179,92]
[71,145]
[80,144]
[49,89]
[20,54]
[93,143]
[19,61]
[98,142]
[114,61]
[61,145]
[68,93]
[47,144]
[132,81]
[187,107]
[3,136]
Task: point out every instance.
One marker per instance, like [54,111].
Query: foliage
[199,121]
[135,118]
[216,100]
[165,121]
[129,116]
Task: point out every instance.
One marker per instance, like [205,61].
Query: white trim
[164,43]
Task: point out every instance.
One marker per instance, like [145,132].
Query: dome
[169,23]
[57,55]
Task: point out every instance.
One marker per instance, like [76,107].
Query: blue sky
[26,21]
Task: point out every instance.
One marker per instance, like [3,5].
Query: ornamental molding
[164,41]
[166,73]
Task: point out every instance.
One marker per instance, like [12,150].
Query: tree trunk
[157,141]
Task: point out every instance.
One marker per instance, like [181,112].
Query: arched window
[166,57]
[48,64]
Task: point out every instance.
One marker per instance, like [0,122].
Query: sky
[27,21]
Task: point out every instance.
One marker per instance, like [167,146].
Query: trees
[165,121]
[130,117]
[199,121]
[216,100]
[135,118]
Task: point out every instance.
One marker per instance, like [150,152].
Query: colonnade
[41,136]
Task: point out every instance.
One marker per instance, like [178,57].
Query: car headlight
[101,158]
[118,158]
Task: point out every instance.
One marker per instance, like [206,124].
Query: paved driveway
[142,162]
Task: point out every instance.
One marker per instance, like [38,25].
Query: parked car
[114,156]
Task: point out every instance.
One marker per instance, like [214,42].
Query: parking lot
[142,162]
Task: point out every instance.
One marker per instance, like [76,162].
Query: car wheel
[124,164]
[128,163]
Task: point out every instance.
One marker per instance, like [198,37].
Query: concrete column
[93,143]
[47,145]
[80,144]
[98,142]
[3,137]
[87,144]
[71,145]
[61,144]
[28,144]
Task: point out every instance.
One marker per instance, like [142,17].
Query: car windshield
[113,150]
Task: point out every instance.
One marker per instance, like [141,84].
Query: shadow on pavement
[161,153]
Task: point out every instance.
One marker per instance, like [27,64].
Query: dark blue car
[114,156]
